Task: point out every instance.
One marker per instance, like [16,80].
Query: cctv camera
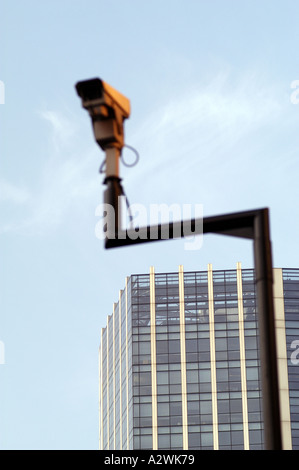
[107,108]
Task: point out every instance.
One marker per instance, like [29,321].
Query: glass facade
[179,362]
[291,307]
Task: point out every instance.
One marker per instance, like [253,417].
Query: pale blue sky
[212,118]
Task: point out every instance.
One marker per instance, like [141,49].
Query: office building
[179,362]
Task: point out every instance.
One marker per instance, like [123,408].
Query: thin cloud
[10,193]
[210,125]
[62,129]
[66,181]
[209,116]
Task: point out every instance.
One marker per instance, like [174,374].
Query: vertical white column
[242,357]
[183,358]
[282,361]
[127,366]
[108,404]
[114,391]
[153,359]
[120,373]
[213,357]
[101,422]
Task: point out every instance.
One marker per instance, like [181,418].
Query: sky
[214,92]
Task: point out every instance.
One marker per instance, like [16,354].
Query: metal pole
[112,197]
[267,339]
[113,192]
